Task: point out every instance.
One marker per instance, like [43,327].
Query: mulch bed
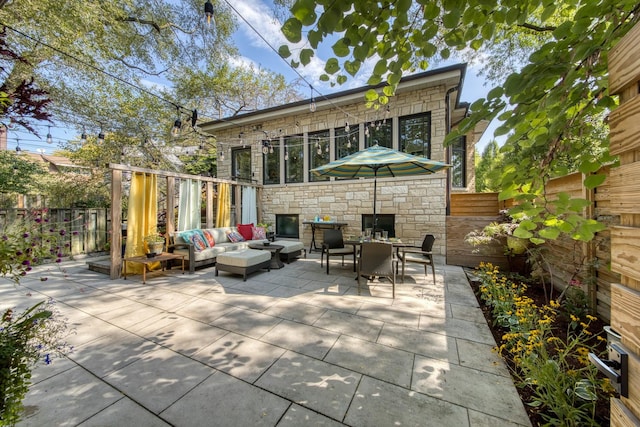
[536,293]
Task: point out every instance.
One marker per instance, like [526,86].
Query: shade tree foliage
[548,61]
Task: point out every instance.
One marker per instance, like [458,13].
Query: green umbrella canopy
[378,161]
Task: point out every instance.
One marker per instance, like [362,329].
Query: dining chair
[333,245]
[419,255]
[376,259]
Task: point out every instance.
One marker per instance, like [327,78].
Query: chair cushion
[243,258]
[289,246]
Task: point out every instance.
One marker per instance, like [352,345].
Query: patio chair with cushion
[333,245]
[376,259]
[419,255]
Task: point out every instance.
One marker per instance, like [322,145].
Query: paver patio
[289,347]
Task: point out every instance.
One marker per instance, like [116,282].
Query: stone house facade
[277,148]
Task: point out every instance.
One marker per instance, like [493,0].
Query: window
[294,159]
[241,164]
[346,141]
[271,162]
[459,162]
[318,153]
[415,134]
[378,133]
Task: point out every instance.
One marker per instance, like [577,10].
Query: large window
[241,164]
[318,153]
[294,159]
[378,133]
[459,162]
[415,134]
[271,162]
[346,140]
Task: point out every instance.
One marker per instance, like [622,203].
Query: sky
[256,28]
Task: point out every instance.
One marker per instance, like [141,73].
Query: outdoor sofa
[202,246]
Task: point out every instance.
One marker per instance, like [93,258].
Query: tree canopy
[548,61]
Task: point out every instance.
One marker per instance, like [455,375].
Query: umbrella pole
[375,192]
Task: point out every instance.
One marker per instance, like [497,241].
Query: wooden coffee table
[162,258]
[275,253]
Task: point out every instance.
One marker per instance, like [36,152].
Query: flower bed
[546,347]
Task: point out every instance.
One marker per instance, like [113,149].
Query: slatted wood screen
[624,80]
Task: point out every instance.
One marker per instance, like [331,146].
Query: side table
[276,262]
[162,258]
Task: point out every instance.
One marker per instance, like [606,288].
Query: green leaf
[431,10]
[549,233]
[352,67]
[314,37]
[522,233]
[304,11]
[284,51]
[306,55]
[389,90]
[381,67]
[340,49]
[592,181]
[341,79]
[292,30]
[332,66]
[371,95]
[451,19]
[324,78]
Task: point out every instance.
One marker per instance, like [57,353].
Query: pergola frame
[116,204]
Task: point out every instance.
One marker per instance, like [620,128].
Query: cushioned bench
[244,261]
[292,249]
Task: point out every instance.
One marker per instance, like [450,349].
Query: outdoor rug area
[288,347]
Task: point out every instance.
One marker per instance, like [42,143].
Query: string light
[208,11]
[49,137]
[18,149]
[346,127]
[83,137]
[177,125]
[312,105]
[100,137]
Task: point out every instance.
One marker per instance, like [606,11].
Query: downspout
[447,152]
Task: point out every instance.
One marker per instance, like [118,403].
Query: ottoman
[292,249]
[244,261]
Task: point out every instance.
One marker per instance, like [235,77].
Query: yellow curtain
[142,217]
[223,216]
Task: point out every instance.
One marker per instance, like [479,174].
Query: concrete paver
[289,347]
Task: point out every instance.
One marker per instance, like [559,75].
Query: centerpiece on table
[154,244]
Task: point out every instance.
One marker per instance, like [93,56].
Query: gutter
[447,151]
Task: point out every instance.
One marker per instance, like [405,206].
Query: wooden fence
[585,263]
[85,230]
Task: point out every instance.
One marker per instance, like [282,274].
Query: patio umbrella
[378,161]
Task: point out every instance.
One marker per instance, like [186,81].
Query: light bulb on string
[326,150]
[83,136]
[18,149]
[346,127]
[100,137]
[208,11]
[286,156]
[270,149]
[312,105]
[49,137]
[348,143]
[319,151]
[366,131]
[222,154]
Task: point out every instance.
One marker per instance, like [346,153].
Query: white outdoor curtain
[249,206]
[189,205]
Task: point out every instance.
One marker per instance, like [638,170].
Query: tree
[488,167]
[549,103]
[17,173]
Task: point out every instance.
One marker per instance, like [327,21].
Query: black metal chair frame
[425,251]
[333,245]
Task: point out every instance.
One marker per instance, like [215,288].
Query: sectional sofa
[183,242]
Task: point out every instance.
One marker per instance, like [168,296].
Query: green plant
[33,336]
[31,240]
[154,238]
[264,225]
[501,232]
[555,369]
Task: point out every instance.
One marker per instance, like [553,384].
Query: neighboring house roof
[53,163]
[454,72]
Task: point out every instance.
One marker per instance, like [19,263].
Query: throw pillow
[259,233]
[235,237]
[245,230]
[195,237]
[208,237]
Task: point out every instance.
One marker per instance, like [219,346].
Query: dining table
[397,243]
